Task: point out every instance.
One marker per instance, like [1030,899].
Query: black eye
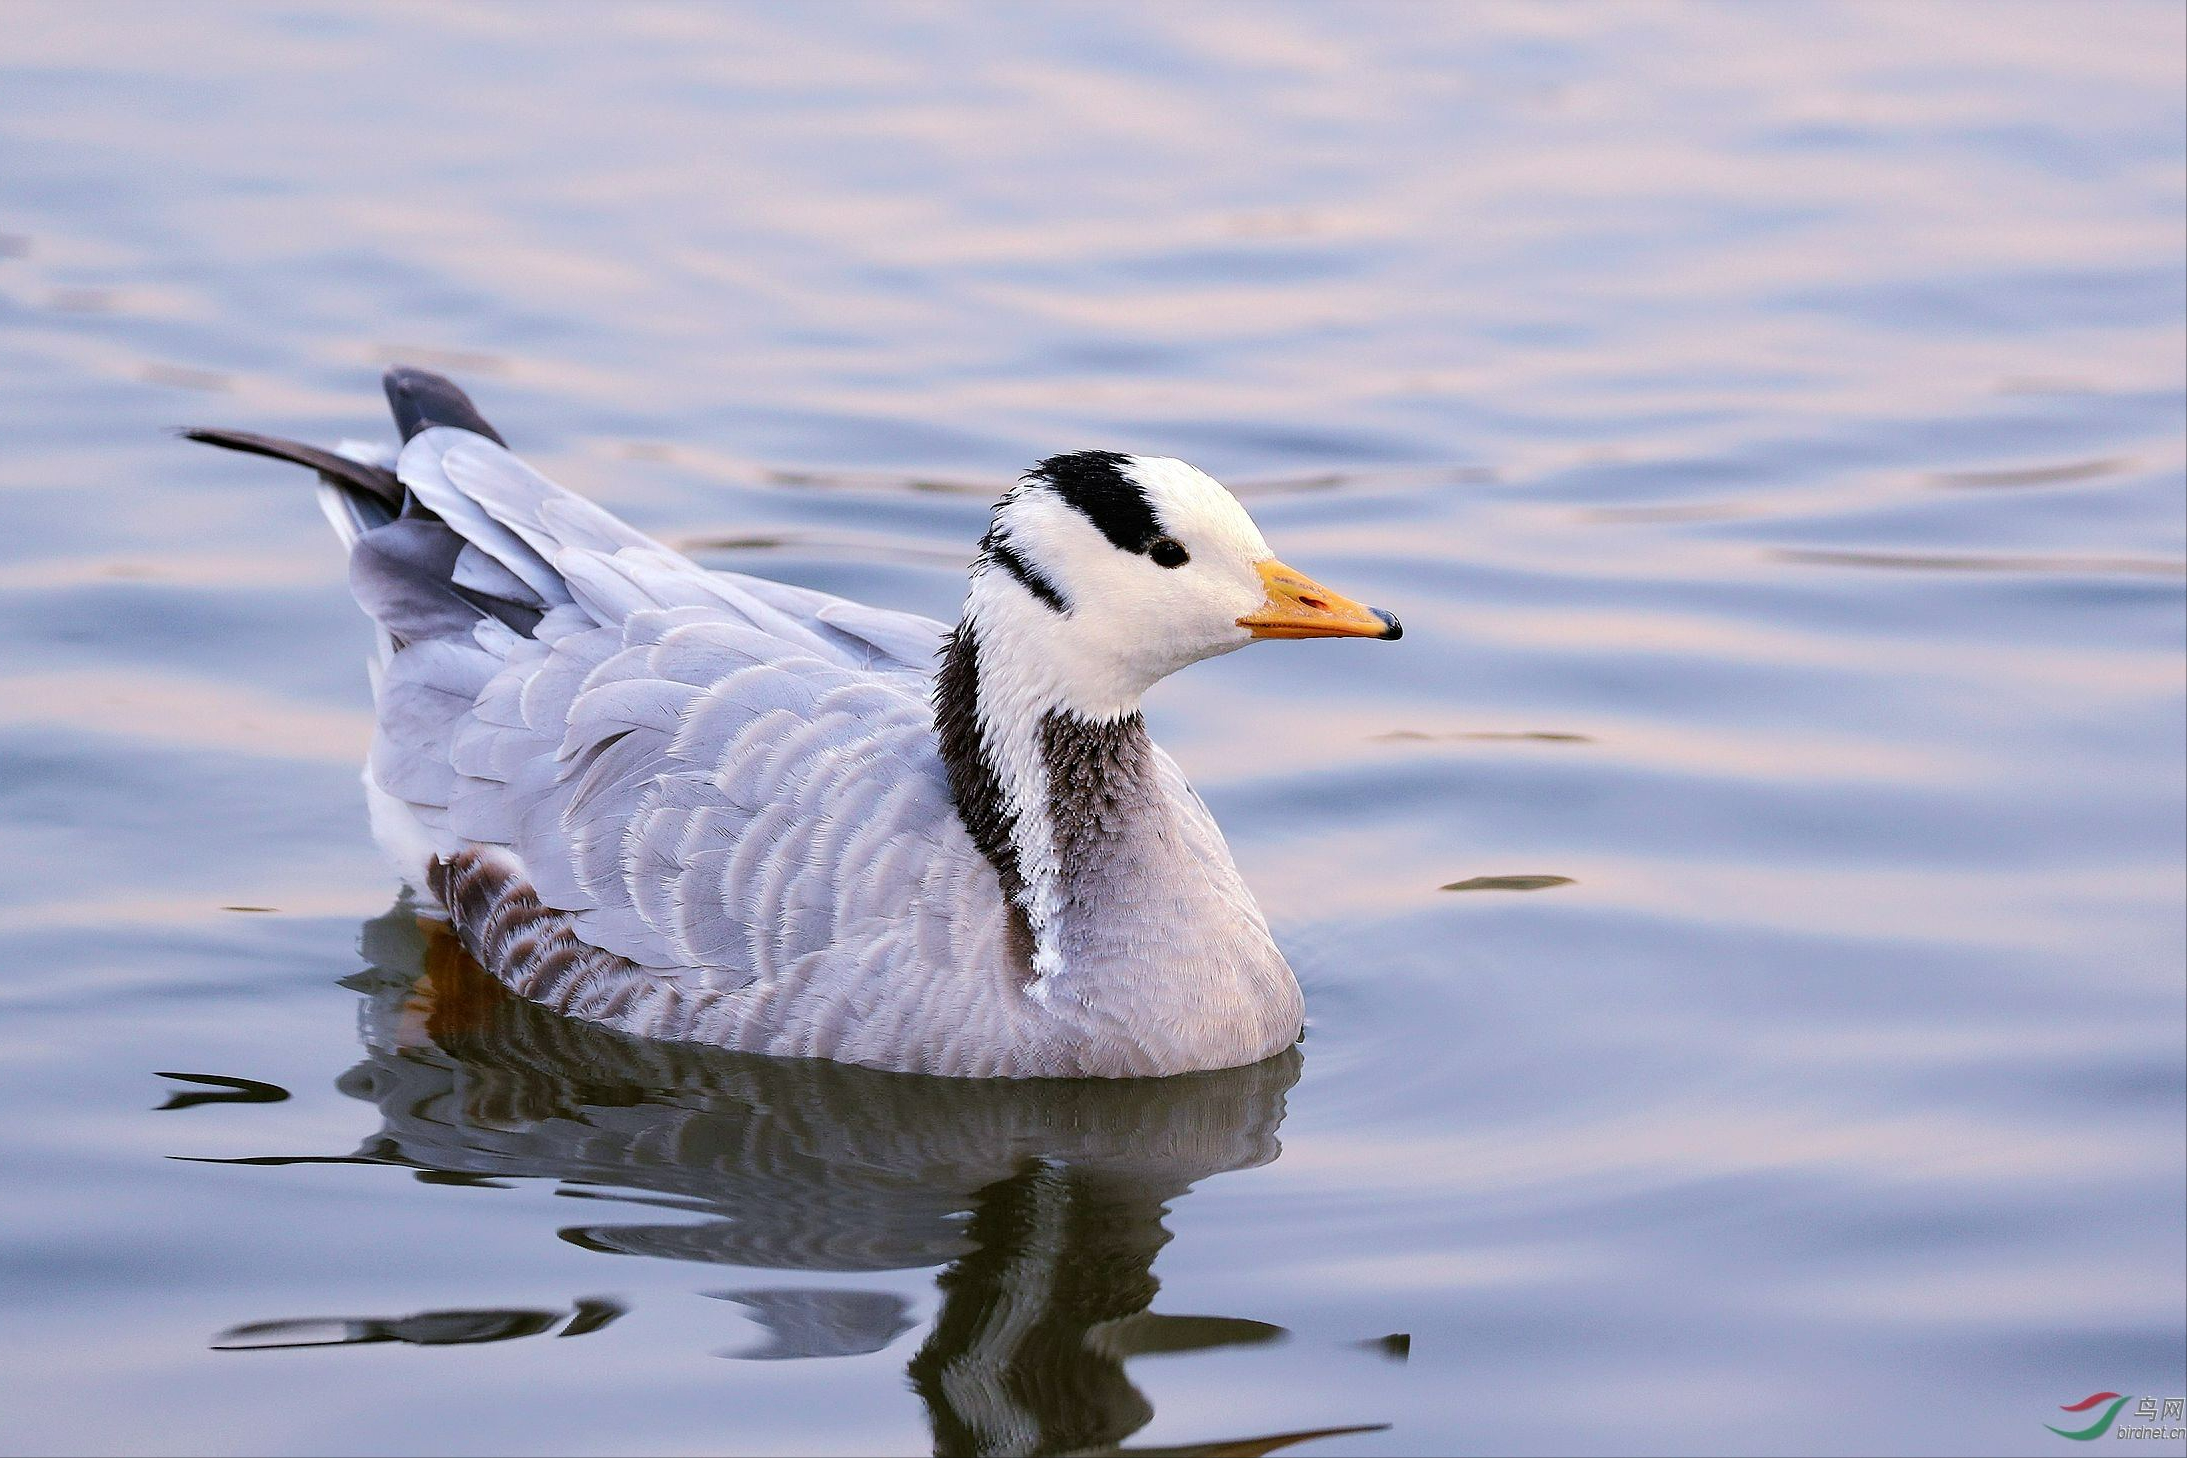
[1169,552]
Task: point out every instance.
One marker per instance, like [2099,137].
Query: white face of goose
[1104,573]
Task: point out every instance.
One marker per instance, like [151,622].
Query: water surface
[1741,921]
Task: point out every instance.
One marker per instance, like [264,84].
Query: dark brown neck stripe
[972,780]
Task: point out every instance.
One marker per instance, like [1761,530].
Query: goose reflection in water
[1042,1200]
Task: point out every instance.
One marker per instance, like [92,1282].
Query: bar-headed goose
[703,806]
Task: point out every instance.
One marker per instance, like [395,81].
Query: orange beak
[1299,607]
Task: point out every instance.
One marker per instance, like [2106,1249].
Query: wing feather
[723,780]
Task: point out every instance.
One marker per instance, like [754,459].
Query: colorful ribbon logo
[2101,1425]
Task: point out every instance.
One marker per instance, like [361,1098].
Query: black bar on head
[1100,486]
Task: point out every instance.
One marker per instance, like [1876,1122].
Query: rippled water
[1741,922]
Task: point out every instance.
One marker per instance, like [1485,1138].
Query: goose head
[1102,574]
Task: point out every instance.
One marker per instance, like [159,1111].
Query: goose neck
[1045,789]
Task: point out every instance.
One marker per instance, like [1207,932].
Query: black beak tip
[1392,629]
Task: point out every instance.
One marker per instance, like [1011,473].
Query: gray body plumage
[702,806]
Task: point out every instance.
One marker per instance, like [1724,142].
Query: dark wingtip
[1392,629]
[422,399]
[374,481]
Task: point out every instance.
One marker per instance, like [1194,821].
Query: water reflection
[451,1328]
[220,1088]
[1042,1201]
[1508,883]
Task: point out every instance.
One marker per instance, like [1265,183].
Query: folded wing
[715,775]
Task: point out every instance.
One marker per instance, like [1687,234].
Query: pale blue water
[1766,419]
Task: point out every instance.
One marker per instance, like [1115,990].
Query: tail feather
[376,482]
[408,568]
[355,495]
[422,399]
[404,576]
[445,610]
